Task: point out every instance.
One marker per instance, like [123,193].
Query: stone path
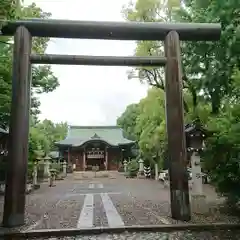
[88,204]
[101,203]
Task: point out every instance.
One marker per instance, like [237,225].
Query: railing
[176,231]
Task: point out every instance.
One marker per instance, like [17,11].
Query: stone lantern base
[199,204]
[140,174]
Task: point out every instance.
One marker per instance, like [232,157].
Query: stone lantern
[195,136]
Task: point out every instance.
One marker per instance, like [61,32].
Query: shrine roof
[79,135]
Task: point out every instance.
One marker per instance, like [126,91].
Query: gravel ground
[65,214]
[133,213]
[137,201]
[158,236]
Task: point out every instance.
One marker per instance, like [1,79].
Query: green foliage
[56,166]
[209,66]
[30,170]
[43,135]
[128,121]
[132,168]
[43,79]
[211,82]
[222,157]
[146,122]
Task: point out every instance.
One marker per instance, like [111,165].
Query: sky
[89,95]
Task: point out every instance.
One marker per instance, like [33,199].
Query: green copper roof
[78,135]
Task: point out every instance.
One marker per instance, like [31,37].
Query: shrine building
[87,146]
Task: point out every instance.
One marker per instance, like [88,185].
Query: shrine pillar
[106,158]
[69,156]
[84,160]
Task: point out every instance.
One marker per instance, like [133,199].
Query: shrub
[221,157]
[132,168]
[30,171]
[56,166]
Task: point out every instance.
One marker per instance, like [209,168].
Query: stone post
[64,168]
[198,198]
[141,169]
[125,165]
[156,171]
[35,173]
[141,166]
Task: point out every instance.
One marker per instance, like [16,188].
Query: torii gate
[171,33]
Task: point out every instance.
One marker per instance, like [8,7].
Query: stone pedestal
[196,174]
[52,180]
[198,199]
[199,204]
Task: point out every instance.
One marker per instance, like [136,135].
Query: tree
[207,66]
[44,134]
[211,78]
[127,121]
[151,11]
[222,149]
[146,122]
[43,79]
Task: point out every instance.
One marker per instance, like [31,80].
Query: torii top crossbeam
[114,30]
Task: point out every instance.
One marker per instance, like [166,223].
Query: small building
[87,146]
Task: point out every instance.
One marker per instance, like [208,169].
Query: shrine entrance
[95,156]
[170,33]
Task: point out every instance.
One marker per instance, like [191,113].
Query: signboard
[95,154]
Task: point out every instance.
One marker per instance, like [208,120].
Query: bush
[56,166]
[30,171]
[221,157]
[132,168]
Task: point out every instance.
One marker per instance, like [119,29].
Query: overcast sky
[89,95]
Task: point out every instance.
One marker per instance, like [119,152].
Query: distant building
[87,146]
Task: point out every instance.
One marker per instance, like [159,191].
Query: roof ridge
[94,127]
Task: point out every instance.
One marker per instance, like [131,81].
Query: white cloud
[89,95]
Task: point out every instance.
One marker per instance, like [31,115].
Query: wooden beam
[114,30]
[14,204]
[97,60]
[180,206]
